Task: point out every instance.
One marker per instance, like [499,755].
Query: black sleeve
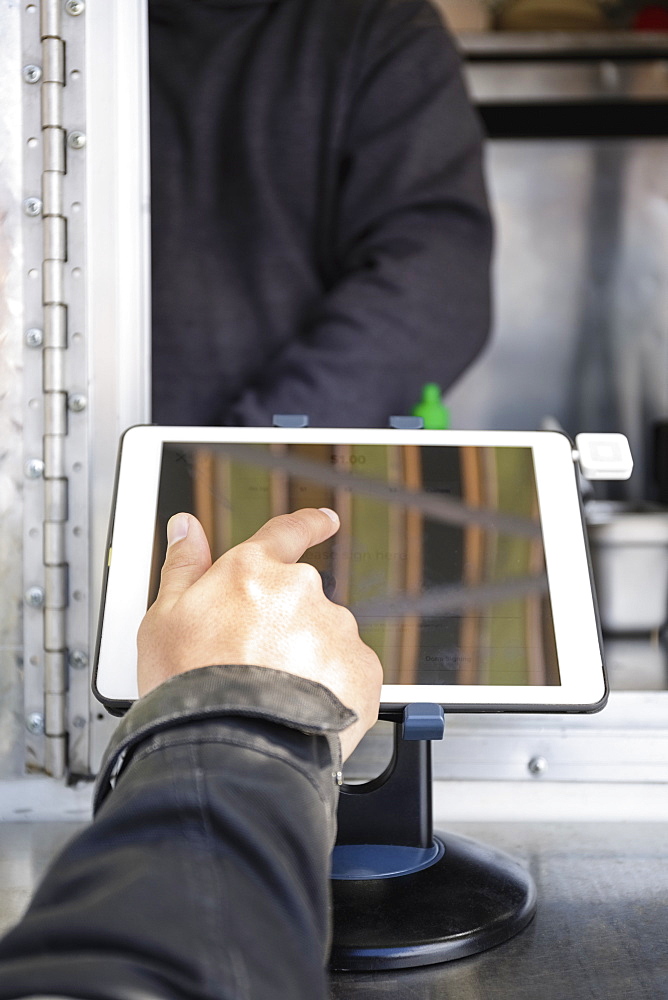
[411,301]
[205,871]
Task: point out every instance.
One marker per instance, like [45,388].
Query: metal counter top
[600,933]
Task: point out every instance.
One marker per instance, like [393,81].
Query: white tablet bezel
[583,685]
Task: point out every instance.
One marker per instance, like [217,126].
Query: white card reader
[603,456]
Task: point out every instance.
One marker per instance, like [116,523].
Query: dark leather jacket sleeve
[205,871]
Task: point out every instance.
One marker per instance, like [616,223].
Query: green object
[436,416]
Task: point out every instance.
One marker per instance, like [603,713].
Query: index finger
[288,536]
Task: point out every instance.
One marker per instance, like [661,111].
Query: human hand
[257,605]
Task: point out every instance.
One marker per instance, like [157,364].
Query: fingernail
[330,514]
[177,528]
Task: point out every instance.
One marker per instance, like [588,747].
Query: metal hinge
[51,724]
[53,386]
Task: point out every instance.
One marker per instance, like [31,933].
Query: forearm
[205,872]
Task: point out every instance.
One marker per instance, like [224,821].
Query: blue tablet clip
[423,721]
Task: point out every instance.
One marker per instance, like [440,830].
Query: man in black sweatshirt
[205,873]
[321,237]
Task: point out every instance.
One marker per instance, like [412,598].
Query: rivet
[537,765]
[78,659]
[35,723]
[32,73]
[34,337]
[32,207]
[77,402]
[78,722]
[76,140]
[34,596]
[34,468]
[75,7]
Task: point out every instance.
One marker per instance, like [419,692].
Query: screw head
[75,7]
[78,722]
[32,73]
[34,596]
[32,207]
[34,337]
[35,723]
[537,765]
[78,659]
[34,468]
[77,402]
[76,140]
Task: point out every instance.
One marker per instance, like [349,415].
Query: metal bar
[53,61]
[52,192]
[55,588]
[54,148]
[55,500]
[55,413]
[55,675]
[52,281]
[54,716]
[50,18]
[53,369]
[54,543]
[52,104]
[54,456]
[54,629]
[118,275]
[55,238]
[55,325]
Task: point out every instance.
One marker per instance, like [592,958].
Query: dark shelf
[529,46]
[575,120]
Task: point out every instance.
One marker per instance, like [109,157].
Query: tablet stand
[403,895]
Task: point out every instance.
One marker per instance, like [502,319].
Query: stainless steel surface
[599,934]
[26,850]
[12,472]
[118,295]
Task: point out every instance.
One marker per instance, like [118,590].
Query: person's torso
[248,110]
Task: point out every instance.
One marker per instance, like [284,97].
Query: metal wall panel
[117,286]
[11,417]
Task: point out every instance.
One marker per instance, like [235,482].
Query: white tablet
[462,554]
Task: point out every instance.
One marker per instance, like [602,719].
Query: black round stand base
[471,899]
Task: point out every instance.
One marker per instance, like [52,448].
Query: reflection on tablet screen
[439,554]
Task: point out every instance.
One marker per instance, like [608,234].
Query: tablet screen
[439,555]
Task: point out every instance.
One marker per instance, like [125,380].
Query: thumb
[188,558]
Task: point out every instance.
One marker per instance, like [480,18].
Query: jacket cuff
[219,691]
